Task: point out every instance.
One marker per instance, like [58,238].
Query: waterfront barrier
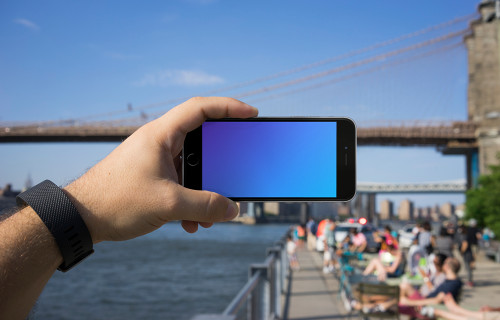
[263,290]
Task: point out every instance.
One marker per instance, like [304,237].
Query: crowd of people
[431,258]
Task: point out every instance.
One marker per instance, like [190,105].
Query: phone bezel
[346,158]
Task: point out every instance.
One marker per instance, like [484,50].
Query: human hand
[422,272]
[485,308]
[135,189]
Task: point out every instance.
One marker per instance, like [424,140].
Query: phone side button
[193,159]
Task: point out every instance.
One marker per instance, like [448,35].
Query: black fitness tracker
[62,219]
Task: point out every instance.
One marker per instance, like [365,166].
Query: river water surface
[168,274]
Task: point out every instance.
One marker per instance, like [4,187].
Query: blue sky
[68,60]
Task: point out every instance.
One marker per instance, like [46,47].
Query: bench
[379,289]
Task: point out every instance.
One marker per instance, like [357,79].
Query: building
[405,211]
[425,213]
[386,210]
[447,210]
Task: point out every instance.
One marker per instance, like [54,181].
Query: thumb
[203,206]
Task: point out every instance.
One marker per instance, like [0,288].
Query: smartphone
[273,159]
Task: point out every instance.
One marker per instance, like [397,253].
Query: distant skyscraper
[405,211]
[425,214]
[417,213]
[386,209]
[447,210]
[29,183]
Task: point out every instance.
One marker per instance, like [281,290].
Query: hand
[485,308]
[135,189]
[422,272]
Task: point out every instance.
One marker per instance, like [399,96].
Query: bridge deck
[456,135]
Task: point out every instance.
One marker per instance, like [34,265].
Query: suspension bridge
[408,107]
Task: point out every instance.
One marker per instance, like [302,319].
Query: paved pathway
[487,284]
[313,295]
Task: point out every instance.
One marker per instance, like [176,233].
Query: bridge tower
[483,45]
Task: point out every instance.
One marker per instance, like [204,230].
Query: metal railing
[263,290]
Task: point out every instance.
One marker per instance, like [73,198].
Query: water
[168,274]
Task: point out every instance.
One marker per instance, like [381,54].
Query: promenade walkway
[314,296]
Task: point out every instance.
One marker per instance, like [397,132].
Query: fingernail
[252,107]
[232,211]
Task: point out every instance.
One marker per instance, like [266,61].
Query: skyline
[74,60]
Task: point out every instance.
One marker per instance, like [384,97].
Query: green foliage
[483,203]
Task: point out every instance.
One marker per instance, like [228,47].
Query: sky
[71,60]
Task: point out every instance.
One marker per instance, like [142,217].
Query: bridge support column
[304,212]
[472,167]
[365,206]
[372,208]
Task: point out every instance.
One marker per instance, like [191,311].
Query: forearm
[393,267]
[29,258]
[463,247]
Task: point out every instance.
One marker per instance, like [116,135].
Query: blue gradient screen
[270,159]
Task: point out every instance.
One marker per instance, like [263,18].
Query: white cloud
[188,78]
[28,24]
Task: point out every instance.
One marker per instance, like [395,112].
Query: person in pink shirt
[358,240]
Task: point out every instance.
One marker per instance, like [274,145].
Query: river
[168,274]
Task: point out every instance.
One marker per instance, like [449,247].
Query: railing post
[283,265]
[276,280]
[259,303]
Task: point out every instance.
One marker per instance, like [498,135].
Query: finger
[191,114]
[189,226]
[202,206]
[178,167]
[206,225]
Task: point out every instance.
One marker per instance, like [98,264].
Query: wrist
[85,206]
[41,239]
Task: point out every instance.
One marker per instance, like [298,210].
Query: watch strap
[62,219]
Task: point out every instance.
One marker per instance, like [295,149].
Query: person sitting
[411,305]
[431,281]
[385,239]
[415,255]
[425,238]
[358,240]
[455,312]
[390,263]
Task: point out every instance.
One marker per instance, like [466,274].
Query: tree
[483,202]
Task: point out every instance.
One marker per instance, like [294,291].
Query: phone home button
[193,159]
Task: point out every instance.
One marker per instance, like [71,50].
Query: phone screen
[273,159]
[270,159]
